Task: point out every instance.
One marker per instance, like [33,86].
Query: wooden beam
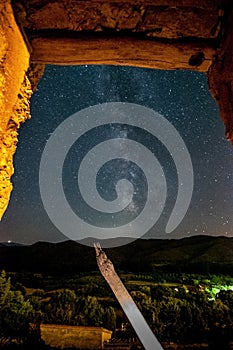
[122,50]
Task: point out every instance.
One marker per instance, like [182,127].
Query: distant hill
[198,254]
[10,244]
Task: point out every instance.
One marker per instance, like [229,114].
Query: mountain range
[196,254]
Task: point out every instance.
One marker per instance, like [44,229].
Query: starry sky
[182,97]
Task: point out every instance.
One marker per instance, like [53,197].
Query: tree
[61,308]
[226,296]
[109,318]
[16,314]
[91,311]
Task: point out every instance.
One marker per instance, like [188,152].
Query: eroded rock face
[161,19]
[15,93]
[17,80]
[165,34]
[221,77]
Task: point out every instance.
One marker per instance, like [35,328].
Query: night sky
[182,97]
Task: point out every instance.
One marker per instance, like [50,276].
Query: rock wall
[220,76]
[169,19]
[18,79]
[15,92]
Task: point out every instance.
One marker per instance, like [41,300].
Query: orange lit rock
[170,19]
[15,92]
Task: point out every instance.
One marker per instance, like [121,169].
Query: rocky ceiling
[163,34]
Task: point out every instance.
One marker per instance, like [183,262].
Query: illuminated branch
[135,317]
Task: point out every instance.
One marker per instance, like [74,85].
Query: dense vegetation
[19,321]
[184,289]
[183,308]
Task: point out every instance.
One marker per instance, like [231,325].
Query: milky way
[182,97]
